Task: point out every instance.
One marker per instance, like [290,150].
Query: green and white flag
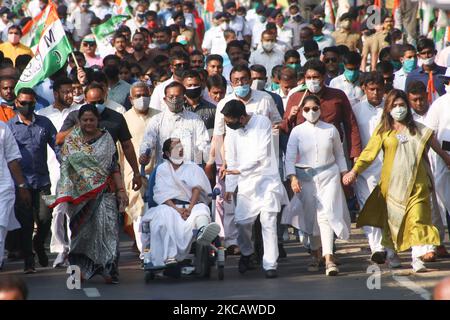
[51,54]
[105,31]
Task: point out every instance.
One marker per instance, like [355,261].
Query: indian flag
[51,53]
[426,16]
[32,31]
[397,15]
[330,12]
[122,7]
[104,32]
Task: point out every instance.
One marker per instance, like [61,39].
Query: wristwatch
[22,185]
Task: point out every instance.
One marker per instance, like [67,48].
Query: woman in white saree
[181,192]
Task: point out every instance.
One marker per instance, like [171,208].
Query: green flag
[104,32]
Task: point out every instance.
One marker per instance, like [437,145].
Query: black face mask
[234,125]
[111,72]
[179,70]
[193,93]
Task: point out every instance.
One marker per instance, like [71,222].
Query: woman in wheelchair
[182,215]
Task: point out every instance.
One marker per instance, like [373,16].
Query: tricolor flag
[397,15]
[426,16]
[330,12]
[32,31]
[439,30]
[51,53]
[122,8]
[377,3]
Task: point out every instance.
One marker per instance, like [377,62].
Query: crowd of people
[298,114]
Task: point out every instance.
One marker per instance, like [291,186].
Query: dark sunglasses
[328,60]
[98,102]
[307,109]
[89,44]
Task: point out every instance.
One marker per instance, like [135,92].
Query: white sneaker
[394,261]
[418,265]
[208,233]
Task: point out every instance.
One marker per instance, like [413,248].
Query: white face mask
[311,116]
[258,85]
[313,85]
[142,103]
[78,99]
[175,157]
[224,26]
[97,3]
[428,61]
[399,113]
[268,45]
[447,89]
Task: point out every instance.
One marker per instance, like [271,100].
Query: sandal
[428,257]
[331,269]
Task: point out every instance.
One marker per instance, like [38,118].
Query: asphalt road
[294,281]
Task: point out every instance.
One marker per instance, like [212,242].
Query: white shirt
[101,11]
[259,103]
[314,145]
[327,41]
[286,35]
[368,117]
[241,28]
[157,98]
[443,57]
[400,79]
[214,41]
[284,97]
[438,118]
[352,90]
[257,30]
[267,59]
[134,25]
[186,125]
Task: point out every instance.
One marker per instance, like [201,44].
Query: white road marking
[411,285]
[91,292]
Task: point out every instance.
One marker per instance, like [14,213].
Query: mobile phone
[446,145]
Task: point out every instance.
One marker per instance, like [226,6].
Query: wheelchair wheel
[220,273]
[149,275]
[202,261]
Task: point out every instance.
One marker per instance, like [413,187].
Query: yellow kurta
[10,51]
[416,228]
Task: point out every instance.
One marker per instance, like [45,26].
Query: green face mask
[294,66]
[396,64]
[275,86]
[318,38]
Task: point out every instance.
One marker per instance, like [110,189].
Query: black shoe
[114,279]
[245,263]
[29,268]
[379,257]
[42,258]
[272,273]
[281,252]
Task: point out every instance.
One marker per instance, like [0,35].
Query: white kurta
[250,150]
[9,151]
[353,91]
[314,146]
[170,235]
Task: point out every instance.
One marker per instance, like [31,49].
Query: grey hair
[138,84]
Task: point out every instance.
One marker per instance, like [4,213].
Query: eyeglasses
[244,80]
[88,44]
[328,60]
[181,65]
[307,109]
[97,102]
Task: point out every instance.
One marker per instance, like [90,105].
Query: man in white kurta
[252,168]
[57,113]
[137,119]
[9,152]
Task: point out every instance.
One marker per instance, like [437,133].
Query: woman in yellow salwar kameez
[400,204]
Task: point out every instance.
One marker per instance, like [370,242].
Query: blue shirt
[420,75]
[32,141]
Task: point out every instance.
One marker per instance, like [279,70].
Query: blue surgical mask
[351,75]
[275,86]
[294,66]
[100,107]
[318,38]
[409,65]
[242,91]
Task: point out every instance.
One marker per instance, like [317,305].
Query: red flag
[209,5]
[377,3]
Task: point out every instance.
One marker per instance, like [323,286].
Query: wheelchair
[201,259]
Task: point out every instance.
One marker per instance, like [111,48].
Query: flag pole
[75,60]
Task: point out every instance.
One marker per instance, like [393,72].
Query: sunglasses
[98,102]
[307,109]
[330,60]
[89,44]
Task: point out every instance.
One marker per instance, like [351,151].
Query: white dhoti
[170,235]
[8,219]
[58,242]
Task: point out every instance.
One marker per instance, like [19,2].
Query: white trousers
[363,189]
[3,233]
[326,235]
[58,243]
[138,235]
[418,251]
[269,234]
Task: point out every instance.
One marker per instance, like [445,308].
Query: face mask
[399,113]
[351,75]
[409,64]
[100,107]
[194,92]
[141,103]
[13,38]
[275,86]
[311,116]
[175,154]
[396,64]
[341,67]
[427,62]
[318,38]
[242,91]
[258,84]
[262,19]
[234,125]
[26,109]
[179,71]
[224,26]
[294,66]
[78,99]
[140,15]
[268,46]
[175,104]
[313,85]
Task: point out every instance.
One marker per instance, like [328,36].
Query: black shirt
[110,120]
[206,111]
